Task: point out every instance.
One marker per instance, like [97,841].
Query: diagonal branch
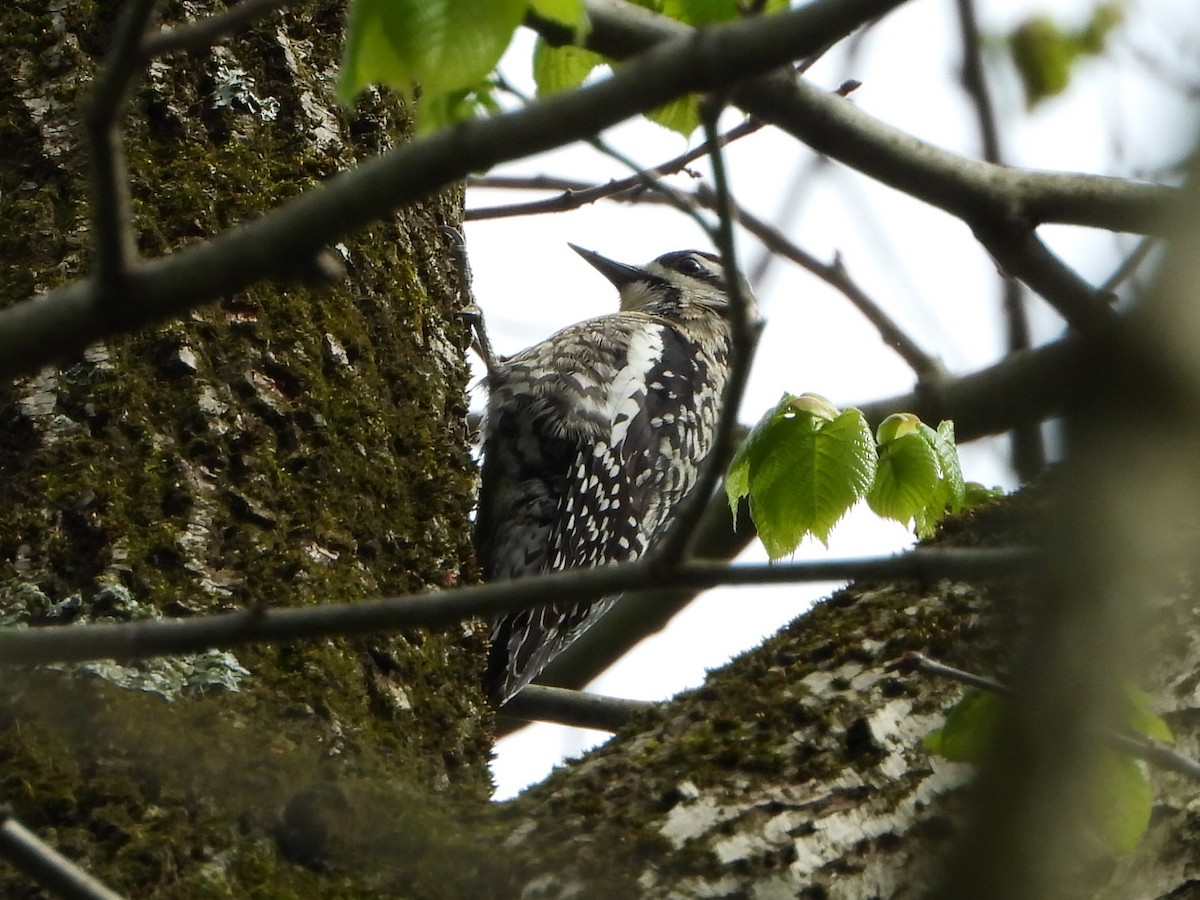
[45,865]
[835,274]
[64,321]
[204,32]
[112,220]
[577,194]
[743,341]
[1022,254]
[963,187]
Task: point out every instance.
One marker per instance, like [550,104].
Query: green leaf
[561,68]
[975,494]
[1121,800]
[953,486]
[681,115]
[1093,38]
[445,46]
[1045,53]
[906,481]
[1143,720]
[971,727]
[454,106]
[803,466]
[571,13]
[919,477]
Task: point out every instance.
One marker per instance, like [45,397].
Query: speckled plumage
[592,438]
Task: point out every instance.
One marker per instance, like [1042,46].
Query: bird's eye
[689,265]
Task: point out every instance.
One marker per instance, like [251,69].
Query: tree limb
[112,220]
[64,321]
[32,646]
[47,866]
[963,187]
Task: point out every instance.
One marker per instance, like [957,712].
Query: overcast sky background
[920,264]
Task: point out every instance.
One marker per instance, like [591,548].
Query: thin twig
[45,865]
[207,31]
[805,175]
[1022,254]
[646,179]
[1028,448]
[141,640]
[912,661]
[676,543]
[1129,265]
[112,219]
[927,368]
[651,181]
[1136,745]
[538,703]
[578,194]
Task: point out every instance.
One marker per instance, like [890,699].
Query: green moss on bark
[284,446]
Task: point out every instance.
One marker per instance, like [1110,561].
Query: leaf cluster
[443,51]
[805,464]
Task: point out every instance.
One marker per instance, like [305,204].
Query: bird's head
[682,284]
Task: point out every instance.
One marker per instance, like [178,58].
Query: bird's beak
[620,274]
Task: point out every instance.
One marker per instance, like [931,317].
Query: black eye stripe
[692,263]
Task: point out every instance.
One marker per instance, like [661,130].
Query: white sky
[922,265]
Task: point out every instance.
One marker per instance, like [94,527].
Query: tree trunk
[798,770]
[278,448]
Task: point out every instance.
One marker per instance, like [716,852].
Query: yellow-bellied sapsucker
[591,440]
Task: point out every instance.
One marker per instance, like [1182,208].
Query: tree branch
[45,865]
[743,340]
[1028,449]
[1024,387]
[835,274]
[64,321]
[578,194]
[1022,254]
[138,640]
[202,33]
[538,703]
[112,220]
[965,188]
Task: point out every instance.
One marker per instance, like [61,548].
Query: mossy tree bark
[277,448]
[798,770]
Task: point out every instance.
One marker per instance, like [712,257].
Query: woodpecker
[592,439]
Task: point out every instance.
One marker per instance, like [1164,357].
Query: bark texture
[798,770]
[279,448]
